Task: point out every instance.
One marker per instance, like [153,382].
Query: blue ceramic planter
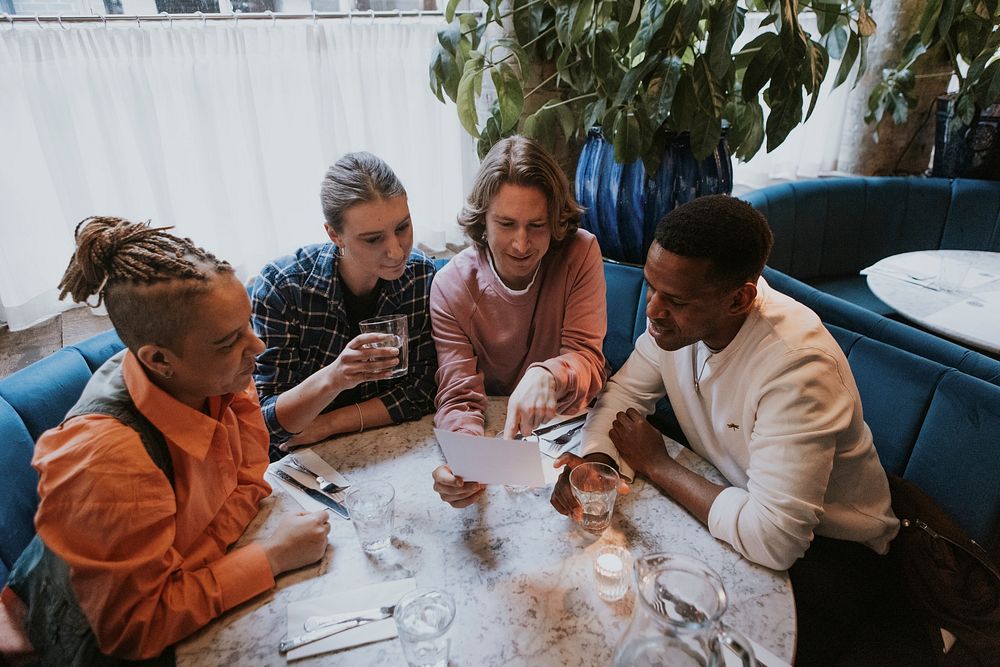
[624,204]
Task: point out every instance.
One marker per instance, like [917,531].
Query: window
[147,7]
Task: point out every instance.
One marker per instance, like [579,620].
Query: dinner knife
[361,618]
[572,420]
[315,494]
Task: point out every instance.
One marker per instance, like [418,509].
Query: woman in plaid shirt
[316,379]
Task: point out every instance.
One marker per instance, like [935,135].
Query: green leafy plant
[644,70]
[968,32]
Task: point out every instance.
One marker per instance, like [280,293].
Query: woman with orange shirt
[159,467]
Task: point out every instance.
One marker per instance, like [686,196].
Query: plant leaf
[819,61]
[510,96]
[827,15]
[567,120]
[707,126]
[584,9]
[836,42]
[866,24]
[512,45]
[449,10]
[444,74]
[928,20]
[540,125]
[661,91]
[626,136]
[721,35]
[650,23]
[987,90]
[847,62]
[786,113]
[527,19]
[469,88]
[762,66]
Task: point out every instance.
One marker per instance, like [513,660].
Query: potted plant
[966,35]
[656,76]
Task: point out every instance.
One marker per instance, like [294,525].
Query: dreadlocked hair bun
[112,250]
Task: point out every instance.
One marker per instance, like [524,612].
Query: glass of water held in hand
[371,508]
[595,486]
[397,335]
[423,617]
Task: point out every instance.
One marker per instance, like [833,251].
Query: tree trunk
[900,149]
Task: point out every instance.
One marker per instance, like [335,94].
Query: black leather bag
[951,581]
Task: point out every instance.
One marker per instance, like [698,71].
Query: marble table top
[521,574]
[968,312]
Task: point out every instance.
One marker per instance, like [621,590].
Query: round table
[521,574]
[969,314]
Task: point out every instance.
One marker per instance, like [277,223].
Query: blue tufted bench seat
[935,413]
[827,230]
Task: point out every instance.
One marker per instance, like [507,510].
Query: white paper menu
[477,458]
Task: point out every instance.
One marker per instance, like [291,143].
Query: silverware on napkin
[315,494]
[324,485]
[332,625]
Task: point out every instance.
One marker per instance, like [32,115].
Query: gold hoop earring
[340,251]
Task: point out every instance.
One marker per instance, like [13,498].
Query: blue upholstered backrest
[33,400]
[841,313]
[626,306]
[838,226]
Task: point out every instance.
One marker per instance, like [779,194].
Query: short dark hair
[729,232]
[518,160]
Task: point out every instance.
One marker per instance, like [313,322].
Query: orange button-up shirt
[149,563]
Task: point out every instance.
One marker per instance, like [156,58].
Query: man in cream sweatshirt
[760,389]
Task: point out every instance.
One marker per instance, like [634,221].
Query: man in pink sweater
[522,311]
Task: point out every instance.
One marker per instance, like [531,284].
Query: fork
[324,485]
[567,436]
[317,622]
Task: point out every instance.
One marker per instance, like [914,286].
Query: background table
[521,573]
[918,298]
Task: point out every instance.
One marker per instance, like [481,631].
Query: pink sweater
[487,336]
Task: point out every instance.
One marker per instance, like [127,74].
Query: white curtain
[811,149]
[223,130]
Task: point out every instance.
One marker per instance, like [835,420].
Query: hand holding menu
[476,458]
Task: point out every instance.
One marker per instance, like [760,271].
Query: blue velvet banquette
[826,230]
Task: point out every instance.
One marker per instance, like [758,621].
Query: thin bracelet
[362,416]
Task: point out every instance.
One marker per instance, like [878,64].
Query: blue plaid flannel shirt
[298,311]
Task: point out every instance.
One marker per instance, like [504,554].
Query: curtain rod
[235,16]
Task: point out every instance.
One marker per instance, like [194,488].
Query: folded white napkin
[357,599]
[311,460]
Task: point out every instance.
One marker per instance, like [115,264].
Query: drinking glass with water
[371,508]
[595,486]
[423,617]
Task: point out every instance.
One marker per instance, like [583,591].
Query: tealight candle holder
[612,566]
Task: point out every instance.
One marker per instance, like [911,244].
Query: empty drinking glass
[423,617]
[371,508]
[395,326]
[595,486]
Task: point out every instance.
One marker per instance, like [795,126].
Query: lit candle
[610,572]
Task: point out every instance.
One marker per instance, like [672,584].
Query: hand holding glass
[396,327]
[595,486]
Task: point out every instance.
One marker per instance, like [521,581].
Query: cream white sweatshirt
[780,416]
